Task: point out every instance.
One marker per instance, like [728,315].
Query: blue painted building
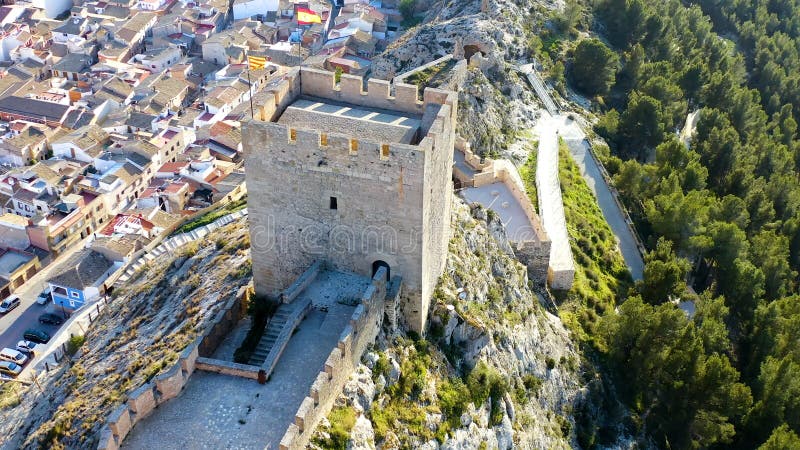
[80,279]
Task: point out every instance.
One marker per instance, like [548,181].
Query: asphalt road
[26,315]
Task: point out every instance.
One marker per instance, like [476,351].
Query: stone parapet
[227,368]
[365,323]
[168,385]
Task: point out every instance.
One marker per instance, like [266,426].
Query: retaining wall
[365,323]
[534,253]
[166,386]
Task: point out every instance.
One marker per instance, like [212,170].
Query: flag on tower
[256,62]
[306,16]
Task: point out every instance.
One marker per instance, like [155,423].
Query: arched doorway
[377,265]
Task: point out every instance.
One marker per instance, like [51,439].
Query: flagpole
[252,117]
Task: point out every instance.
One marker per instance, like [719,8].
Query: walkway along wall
[365,324]
[166,386]
[534,253]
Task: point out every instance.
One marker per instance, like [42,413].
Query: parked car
[51,319]
[10,368]
[8,304]
[28,347]
[44,297]
[9,354]
[38,336]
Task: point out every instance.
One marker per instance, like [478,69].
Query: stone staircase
[169,244]
[270,335]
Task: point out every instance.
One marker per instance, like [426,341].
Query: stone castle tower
[359,179]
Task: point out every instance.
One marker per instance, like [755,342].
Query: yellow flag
[256,62]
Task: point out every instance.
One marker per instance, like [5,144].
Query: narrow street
[26,315]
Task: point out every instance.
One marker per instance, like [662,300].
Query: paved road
[579,149]
[26,315]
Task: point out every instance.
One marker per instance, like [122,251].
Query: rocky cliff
[496,371]
[492,37]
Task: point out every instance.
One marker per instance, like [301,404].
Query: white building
[53,8]
[243,9]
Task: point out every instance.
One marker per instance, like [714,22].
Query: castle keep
[358,178]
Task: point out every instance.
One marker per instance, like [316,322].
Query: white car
[44,297]
[8,304]
[28,347]
[9,354]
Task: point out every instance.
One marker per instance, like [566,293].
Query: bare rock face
[491,38]
[359,391]
[484,315]
[362,436]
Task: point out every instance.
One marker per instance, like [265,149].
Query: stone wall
[166,386]
[227,368]
[364,326]
[393,206]
[535,252]
[308,277]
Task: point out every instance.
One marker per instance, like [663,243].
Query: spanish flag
[256,62]
[306,16]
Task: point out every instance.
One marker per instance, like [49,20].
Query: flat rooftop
[326,116]
[11,261]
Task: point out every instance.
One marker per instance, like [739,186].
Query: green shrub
[381,366]
[74,343]
[453,400]
[342,420]
[483,383]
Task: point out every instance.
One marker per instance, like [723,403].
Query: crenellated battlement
[350,89]
[381,94]
[310,147]
[357,159]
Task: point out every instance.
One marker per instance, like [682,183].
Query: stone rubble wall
[365,324]
[166,386]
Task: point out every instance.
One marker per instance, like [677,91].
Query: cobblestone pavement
[223,412]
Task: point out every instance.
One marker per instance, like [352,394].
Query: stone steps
[172,243]
[270,336]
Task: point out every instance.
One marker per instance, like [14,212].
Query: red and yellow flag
[306,16]
[256,62]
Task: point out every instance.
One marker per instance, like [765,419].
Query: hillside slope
[139,334]
[497,370]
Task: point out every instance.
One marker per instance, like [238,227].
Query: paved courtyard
[224,412]
[498,198]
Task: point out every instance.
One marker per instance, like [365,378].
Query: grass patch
[527,172]
[260,310]
[10,395]
[428,77]
[410,414]
[342,420]
[601,276]
[211,216]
